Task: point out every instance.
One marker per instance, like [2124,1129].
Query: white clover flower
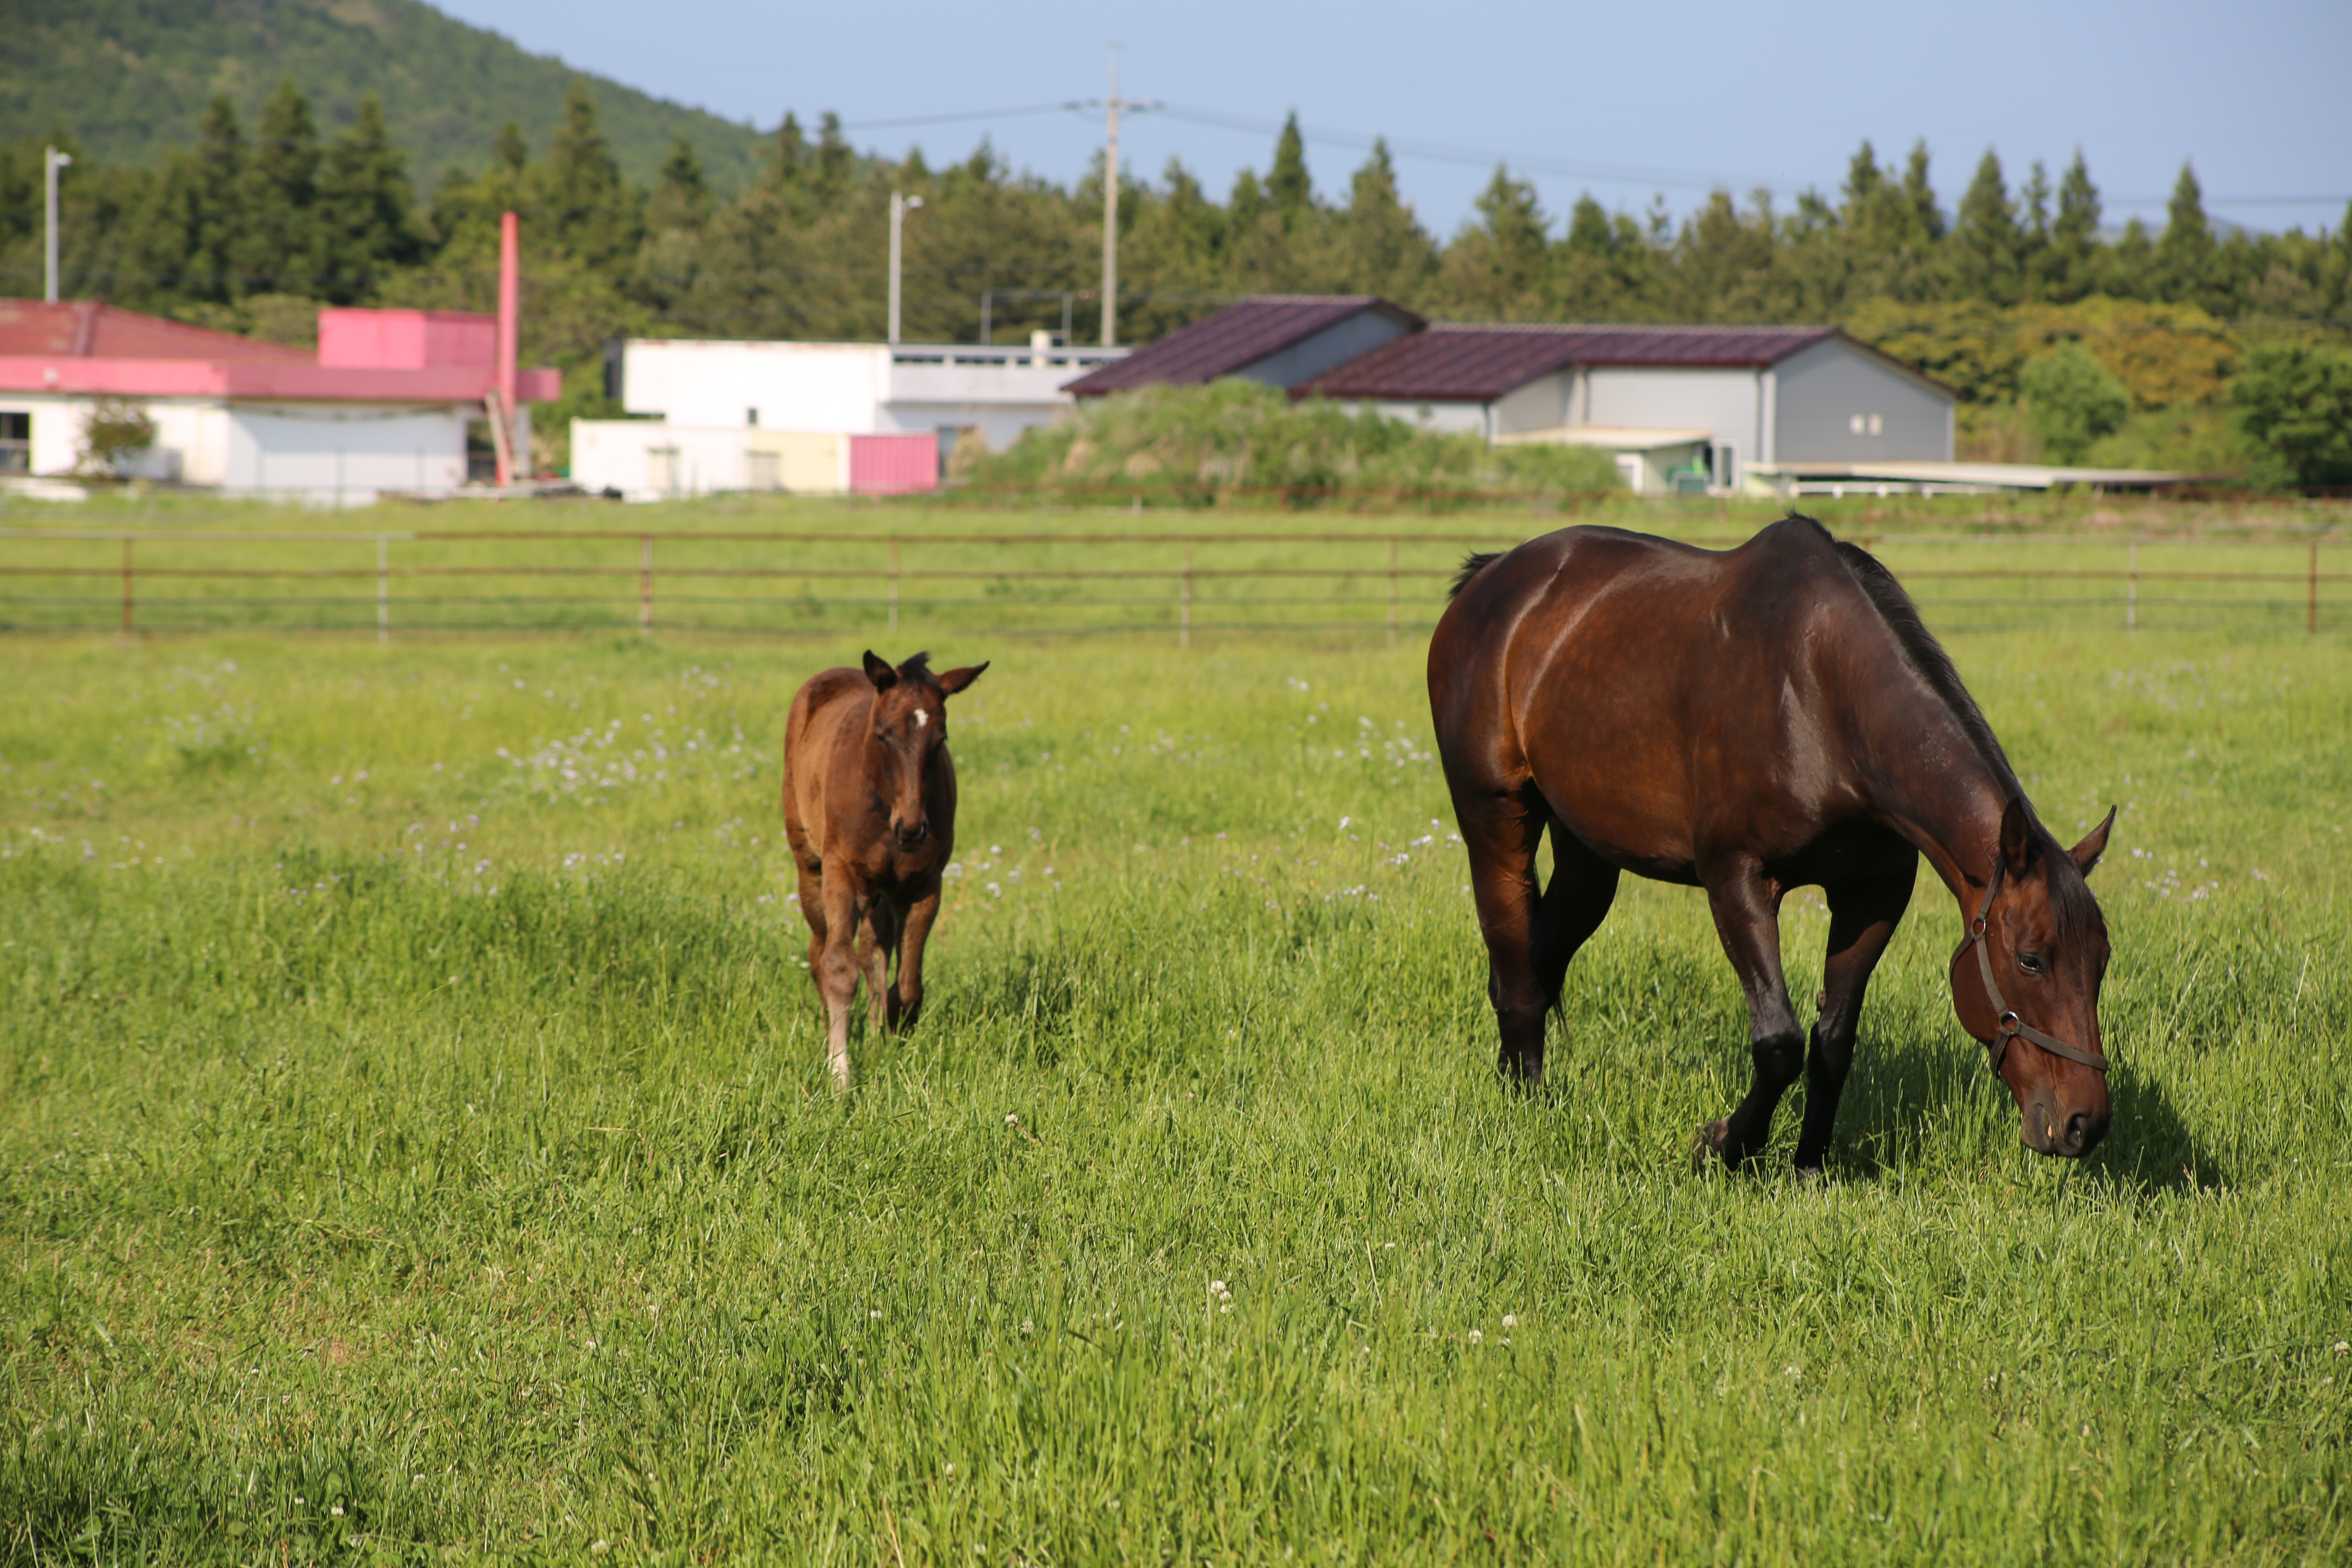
[1216,1286]
[1510,1320]
[1224,1307]
[876,1314]
[337,1510]
[1012,1119]
[1477,1338]
[1027,1327]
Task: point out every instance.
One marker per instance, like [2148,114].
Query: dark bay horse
[1746,722]
[869,809]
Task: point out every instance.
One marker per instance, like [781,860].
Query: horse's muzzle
[910,835]
[2060,1132]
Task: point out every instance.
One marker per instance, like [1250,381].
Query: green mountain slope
[128,78]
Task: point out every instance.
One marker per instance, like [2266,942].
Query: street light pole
[1110,210]
[900,206]
[52,161]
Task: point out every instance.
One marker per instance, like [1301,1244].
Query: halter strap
[2011,1026]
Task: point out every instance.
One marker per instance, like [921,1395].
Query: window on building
[1726,466]
[661,469]
[752,417]
[1629,468]
[1867,424]
[1878,424]
[16,443]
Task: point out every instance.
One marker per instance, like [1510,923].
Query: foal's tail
[1472,564]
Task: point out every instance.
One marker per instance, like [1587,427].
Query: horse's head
[2026,981]
[909,729]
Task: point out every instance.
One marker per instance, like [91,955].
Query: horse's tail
[1477,561]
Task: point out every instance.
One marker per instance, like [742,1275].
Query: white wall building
[383,405]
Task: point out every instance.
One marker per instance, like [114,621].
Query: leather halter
[2011,1025]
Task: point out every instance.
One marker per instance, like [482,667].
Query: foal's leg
[1863,913]
[836,967]
[1501,832]
[877,937]
[907,995]
[1747,905]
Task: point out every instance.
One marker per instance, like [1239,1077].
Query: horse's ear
[954,681]
[2017,844]
[879,672]
[2087,854]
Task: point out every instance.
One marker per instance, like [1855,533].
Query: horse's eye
[2032,963]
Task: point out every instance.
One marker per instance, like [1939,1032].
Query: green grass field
[414,1143]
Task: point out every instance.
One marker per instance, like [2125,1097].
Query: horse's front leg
[836,965]
[1747,905]
[907,995]
[877,935]
[1863,914]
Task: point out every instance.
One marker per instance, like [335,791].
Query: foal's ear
[2087,854]
[879,672]
[2017,843]
[954,681]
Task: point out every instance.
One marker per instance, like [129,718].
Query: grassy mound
[1197,445]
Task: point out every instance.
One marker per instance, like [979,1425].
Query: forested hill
[125,79]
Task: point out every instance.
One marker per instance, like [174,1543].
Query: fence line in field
[892,573]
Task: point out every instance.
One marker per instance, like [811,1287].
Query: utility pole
[51,162]
[900,206]
[1112,107]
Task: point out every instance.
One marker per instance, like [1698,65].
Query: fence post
[1393,590]
[894,584]
[645,584]
[2311,614]
[1184,600]
[384,587]
[2131,590]
[127,620]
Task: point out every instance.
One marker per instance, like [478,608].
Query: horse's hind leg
[1573,905]
[1501,832]
[1747,906]
[1863,913]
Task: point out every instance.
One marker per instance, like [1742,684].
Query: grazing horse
[1746,722]
[869,809]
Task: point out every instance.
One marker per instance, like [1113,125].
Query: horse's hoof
[1707,1144]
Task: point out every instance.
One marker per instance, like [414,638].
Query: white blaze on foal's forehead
[921,718]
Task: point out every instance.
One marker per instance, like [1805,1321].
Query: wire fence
[1181,584]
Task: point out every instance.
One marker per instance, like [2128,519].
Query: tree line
[250,229]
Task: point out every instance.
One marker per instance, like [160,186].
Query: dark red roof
[1477,363]
[1240,335]
[91,329]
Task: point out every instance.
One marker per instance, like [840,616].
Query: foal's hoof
[1707,1144]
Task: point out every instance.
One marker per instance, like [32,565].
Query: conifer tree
[1986,245]
[681,198]
[1380,247]
[208,267]
[2071,262]
[2184,253]
[277,248]
[1288,185]
[595,215]
[366,209]
[1496,268]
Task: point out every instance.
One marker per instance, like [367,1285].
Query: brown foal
[869,808]
[1748,721]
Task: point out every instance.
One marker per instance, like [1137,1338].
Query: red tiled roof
[1239,335]
[92,328]
[1477,363]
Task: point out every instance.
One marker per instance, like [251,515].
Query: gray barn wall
[1316,352]
[1540,405]
[1722,401]
[1822,388]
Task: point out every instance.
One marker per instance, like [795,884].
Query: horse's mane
[1477,561]
[1924,655]
[2070,896]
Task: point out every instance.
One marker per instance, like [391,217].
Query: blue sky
[1632,103]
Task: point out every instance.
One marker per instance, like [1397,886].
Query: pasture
[416,1143]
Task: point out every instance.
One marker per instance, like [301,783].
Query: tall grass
[411,1105]
[1195,445]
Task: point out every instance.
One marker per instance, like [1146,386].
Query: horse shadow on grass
[1907,1091]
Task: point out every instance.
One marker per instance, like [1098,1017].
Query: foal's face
[908,730]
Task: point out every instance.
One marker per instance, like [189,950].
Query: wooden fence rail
[1182,576]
